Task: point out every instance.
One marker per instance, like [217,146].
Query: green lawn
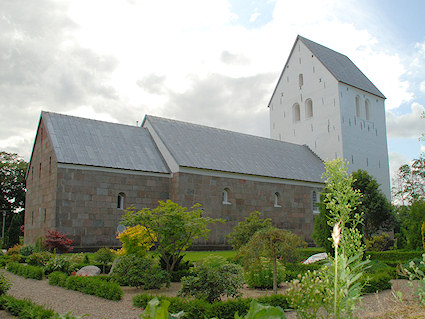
[195,256]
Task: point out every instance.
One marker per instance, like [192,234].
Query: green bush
[3,261]
[377,282]
[26,250]
[212,278]
[198,308]
[88,285]
[4,284]
[395,256]
[379,243]
[294,269]
[59,263]
[104,256]
[27,271]
[39,258]
[134,271]
[58,278]
[260,274]
[24,309]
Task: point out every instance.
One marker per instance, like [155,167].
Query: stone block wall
[294,211]
[40,201]
[87,202]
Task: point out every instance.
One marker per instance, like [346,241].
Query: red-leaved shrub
[57,240]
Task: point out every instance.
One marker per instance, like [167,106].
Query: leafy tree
[321,229]
[411,219]
[244,231]
[12,192]
[274,244]
[14,230]
[409,185]
[377,211]
[171,227]
[104,256]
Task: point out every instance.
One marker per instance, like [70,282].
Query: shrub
[39,259]
[181,269]
[25,309]
[395,256]
[243,232]
[138,272]
[26,250]
[59,263]
[94,286]
[104,256]
[26,271]
[14,250]
[379,243]
[57,241]
[88,285]
[260,273]
[135,240]
[57,278]
[213,278]
[293,270]
[377,282]
[195,308]
[4,284]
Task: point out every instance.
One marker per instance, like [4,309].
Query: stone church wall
[294,210]
[87,202]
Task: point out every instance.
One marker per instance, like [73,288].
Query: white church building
[324,101]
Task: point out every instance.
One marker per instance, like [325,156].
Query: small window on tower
[301,79]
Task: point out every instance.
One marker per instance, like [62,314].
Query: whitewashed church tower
[324,101]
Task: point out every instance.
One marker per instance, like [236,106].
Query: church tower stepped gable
[324,101]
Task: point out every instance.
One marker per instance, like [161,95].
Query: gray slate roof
[89,142]
[198,146]
[342,68]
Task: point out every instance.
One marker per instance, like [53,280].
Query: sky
[210,62]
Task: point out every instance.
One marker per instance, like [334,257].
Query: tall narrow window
[296,112]
[225,196]
[315,201]
[120,200]
[301,79]
[367,109]
[358,112]
[277,200]
[308,108]
[50,164]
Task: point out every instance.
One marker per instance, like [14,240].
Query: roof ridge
[221,129]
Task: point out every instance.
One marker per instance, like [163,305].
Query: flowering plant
[136,240]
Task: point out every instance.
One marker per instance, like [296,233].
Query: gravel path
[62,300]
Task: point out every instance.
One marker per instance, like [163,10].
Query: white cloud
[396,161]
[409,125]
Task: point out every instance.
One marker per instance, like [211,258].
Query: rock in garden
[89,271]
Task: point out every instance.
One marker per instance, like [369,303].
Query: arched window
[277,200]
[367,109]
[308,108]
[358,108]
[225,196]
[296,112]
[120,200]
[315,201]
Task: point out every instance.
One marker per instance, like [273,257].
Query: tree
[275,244]
[171,227]
[409,185]
[377,211]
[12,177]
[244,231]
[411,219]
[12,192]
[14,230]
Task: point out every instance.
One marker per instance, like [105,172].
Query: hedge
[196,308]
[88,285]
[27,271]
[394,256]
[25,308]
